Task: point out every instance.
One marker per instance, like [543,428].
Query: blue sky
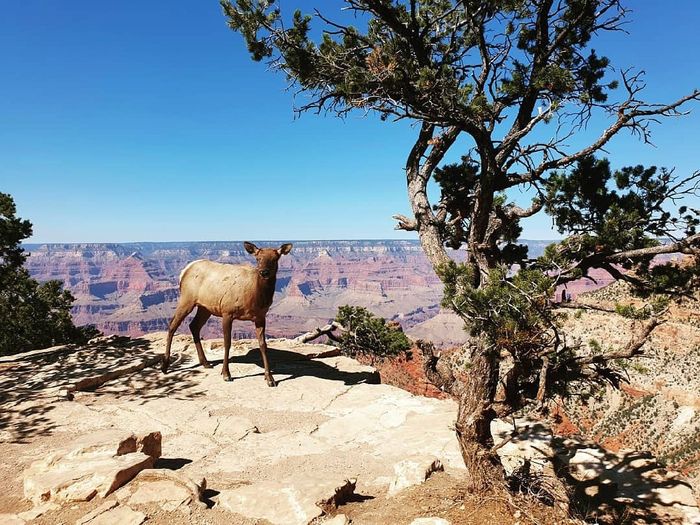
[147,121]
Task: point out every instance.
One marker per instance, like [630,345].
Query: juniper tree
[515,80]
[32,314]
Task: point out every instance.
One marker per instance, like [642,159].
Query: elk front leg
[227,322]
[260,331]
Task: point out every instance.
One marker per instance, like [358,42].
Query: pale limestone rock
[121,515]
[96,464]
[324,420]
[167,488]
[634,479]
[532,443]
[296,501]
[338,519]
[167,494]
[37,511]
[587,463]
[430,521]
[107,505]
[413,471]
[11,519]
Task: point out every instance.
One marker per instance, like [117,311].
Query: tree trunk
[428,229]
[474,421]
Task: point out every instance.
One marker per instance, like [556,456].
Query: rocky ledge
[98,434]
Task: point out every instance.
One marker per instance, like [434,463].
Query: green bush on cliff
[32,314]
[365,333]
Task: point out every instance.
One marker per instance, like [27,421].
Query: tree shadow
[621,488]
[295,365]
[32,386]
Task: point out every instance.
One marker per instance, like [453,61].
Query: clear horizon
[123,123]
[415,240]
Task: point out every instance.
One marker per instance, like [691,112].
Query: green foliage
[512,311]
[605,211]
[407,61]
[595,346]
[675,278]
[32,315]
[629,311]
[368,334]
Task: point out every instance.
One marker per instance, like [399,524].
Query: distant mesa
[131,288]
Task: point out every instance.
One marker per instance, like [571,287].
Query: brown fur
[229,291]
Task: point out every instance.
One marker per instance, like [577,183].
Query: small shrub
[368,334]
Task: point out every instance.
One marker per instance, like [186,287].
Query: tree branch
[404,223]
[327,330]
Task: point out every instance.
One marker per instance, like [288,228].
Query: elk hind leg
[196,325]
[182,311]
[227,323]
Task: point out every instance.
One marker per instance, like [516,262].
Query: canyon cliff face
[658,409]
[131,289]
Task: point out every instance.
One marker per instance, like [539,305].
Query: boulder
[168,489]
[96,464]
[413,471]
[587,463]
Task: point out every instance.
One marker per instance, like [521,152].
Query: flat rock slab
[295,501]
[413,471]
[532,443]
[119,515]
[168,489]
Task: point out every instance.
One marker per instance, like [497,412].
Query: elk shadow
[295,365]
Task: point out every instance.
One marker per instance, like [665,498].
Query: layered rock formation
[131,289]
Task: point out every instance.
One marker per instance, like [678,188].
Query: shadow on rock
[618,488]
[33,384]
[172,463]
[293,364]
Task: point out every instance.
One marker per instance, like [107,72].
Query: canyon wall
[132,288]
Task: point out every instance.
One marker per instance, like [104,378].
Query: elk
[229,291]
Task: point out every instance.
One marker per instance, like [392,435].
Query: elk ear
[285,249]
[250,248]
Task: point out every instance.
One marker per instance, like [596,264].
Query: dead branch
[632,348]
[327,330]
[404,223]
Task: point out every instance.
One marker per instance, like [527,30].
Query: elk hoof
[164,365]
[271,382]
[206,364]
[228,379]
